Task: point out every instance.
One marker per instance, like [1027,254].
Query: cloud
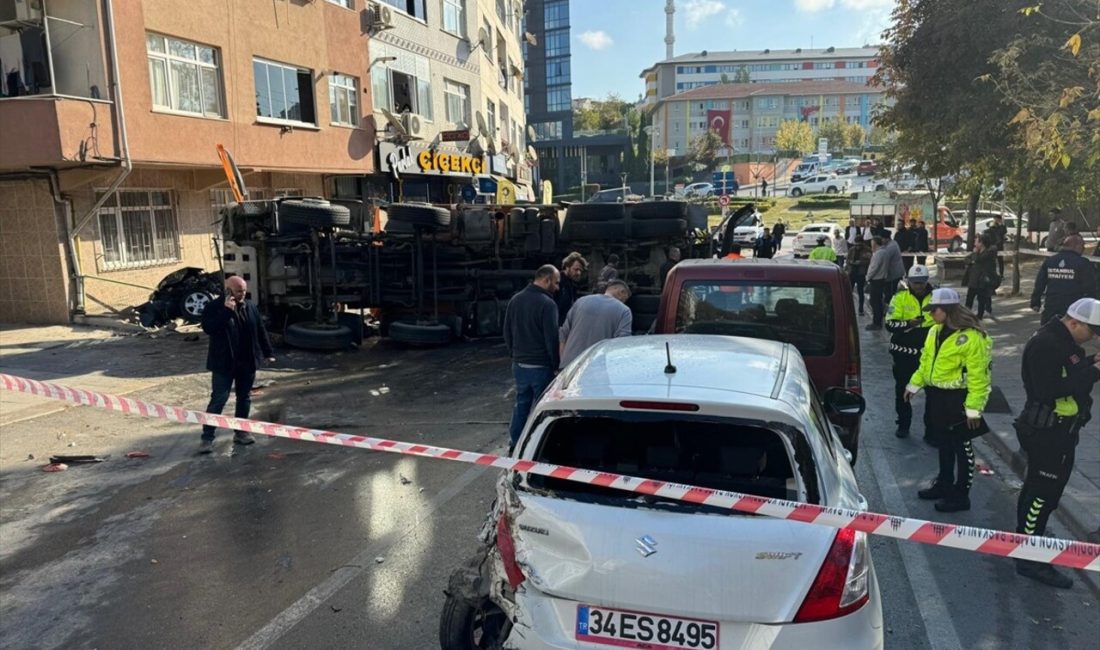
[812,6]
[868,4]
[698,11]
[596,40]
[734,18]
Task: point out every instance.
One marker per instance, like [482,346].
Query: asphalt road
[297,545]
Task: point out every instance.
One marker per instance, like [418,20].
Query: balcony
[55,131]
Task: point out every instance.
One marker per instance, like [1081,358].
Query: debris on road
[77,460]
[263,383]
[379,560]
[404,481]
[55,467]
[154,561]
[137,454]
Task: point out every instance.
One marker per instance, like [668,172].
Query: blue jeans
[530,382]
[219,395]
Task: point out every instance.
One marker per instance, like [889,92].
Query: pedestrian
[883,274]
[239,344]
[1058,381]
[666,266]
[609,272]
[905,238]
[878,230]
[980,276]
[852,231]
[840,247]
[998,236]
[895,270]
[778,232]
[573,268]
[531,338]
[1057,232]
[1063,279]
[764,187]
[765,245]
[954,371]
[920,240]
[595,318]
[909,323]
[859,258]
[824,250]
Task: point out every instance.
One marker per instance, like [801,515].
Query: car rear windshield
[797,313]
[713,453]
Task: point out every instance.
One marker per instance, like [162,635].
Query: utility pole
[652,131]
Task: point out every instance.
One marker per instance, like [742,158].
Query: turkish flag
[719,122]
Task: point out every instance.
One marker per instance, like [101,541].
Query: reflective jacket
[963,361]
[905,307]
[823,252]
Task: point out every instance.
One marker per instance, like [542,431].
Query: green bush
[821,202]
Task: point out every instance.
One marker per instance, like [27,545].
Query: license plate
[638,630]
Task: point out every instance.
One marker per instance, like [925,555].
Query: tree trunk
[1016,249]
[971,217]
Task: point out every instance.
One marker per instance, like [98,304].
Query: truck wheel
[192,303]
[312,335]
[466,627]
[419,214]
[589,231]
[796,192]
[595,212]
[651,210]
[314,212]
[420,333]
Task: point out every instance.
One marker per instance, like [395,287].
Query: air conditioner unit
[381,18]
[20,11]
[414,125]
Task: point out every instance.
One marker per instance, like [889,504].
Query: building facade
[749,113]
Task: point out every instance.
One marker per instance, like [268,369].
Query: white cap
[1086,310]
[918,272]
[942,297]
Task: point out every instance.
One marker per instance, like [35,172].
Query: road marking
[314,598]
[938,625]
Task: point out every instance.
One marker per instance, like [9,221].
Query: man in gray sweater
[883,274]
[595,318]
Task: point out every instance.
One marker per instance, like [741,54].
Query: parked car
[698,191]
[821,183]
[567,564]
[614,195]
[866,168]
[805,169]
[806,304]
[182,294]
[742,227]
[983,220]
[806,239]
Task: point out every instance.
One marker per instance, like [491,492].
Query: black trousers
[1049,463]
[904,367]
[877,289]
[859,283]
[241,380]
[944,409]
[985,300]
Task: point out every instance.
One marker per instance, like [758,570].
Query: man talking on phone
[238,345]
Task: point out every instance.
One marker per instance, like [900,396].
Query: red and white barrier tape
[1078,555]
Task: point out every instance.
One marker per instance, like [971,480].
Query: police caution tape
[1077,555]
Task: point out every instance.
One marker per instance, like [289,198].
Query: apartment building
[702,69]
[747,115]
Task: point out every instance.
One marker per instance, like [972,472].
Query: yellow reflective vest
[823,253]
[964,360]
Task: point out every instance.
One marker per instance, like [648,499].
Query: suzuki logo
[646,546]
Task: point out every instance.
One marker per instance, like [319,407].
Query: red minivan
[807,304]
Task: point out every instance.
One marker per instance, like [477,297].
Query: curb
[105,322]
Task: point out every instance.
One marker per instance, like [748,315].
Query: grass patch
[824,202]
[786,208]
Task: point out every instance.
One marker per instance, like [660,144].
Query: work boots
[938,490]
[1043,573]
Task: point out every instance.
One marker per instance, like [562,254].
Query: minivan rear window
[797,313]
[712,453]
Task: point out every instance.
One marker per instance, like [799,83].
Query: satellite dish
[492,146]
[531,135]
[531,39]
[482,126]
[395,122]
[531,155]
[485,40]
[475,147]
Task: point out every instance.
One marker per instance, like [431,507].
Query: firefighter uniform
[1058,379]
[907,341]
[954,370]
[1064,278]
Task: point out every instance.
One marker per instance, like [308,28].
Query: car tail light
[851,378]
[507,547]
[658,406]
[842,585]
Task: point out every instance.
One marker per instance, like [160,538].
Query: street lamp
[652,131]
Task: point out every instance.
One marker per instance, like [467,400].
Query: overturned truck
[429,273]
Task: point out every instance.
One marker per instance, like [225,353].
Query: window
[184,76]
[454,17]
[343,3]
[556,15]
[557,99]
[138,228]
[557,71]
[343,99]
[548,130]
[557,43]
[458,102]
[284,92]
[491,118]
[402,85]
[414,8]
[380,87]
[487,48]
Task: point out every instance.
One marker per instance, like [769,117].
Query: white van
[803,170]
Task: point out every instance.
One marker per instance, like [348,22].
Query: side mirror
[842,401]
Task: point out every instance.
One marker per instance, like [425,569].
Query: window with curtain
[138,228]
[184,76]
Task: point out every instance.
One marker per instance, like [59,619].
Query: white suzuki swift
[574,565]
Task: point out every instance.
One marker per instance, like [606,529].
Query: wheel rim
[195,303]
[488,627]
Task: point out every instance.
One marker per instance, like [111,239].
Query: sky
[613,40]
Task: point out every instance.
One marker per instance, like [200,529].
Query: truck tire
[595,212]
[420,333]
[549,234]
[593,230]
[419,214]
[463,626]
[311,335]
[314,212]
[655,210]
[658,228]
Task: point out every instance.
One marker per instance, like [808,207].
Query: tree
[878,136]
[704,149]
[741,76]
[833,129]
[724,78]
[794,135]
[854,136]
[611,113]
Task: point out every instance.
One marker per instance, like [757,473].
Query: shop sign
[405,159]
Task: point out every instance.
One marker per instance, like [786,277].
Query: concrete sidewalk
[1015,322]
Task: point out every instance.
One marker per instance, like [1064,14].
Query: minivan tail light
[658,406]
[507,547]
[851,378]
[843,582]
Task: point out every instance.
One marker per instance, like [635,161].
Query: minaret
[670,38]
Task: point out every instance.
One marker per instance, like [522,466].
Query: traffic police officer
[1064,278]
[823,251]
[1058,379]
[909,325]
[955,372]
